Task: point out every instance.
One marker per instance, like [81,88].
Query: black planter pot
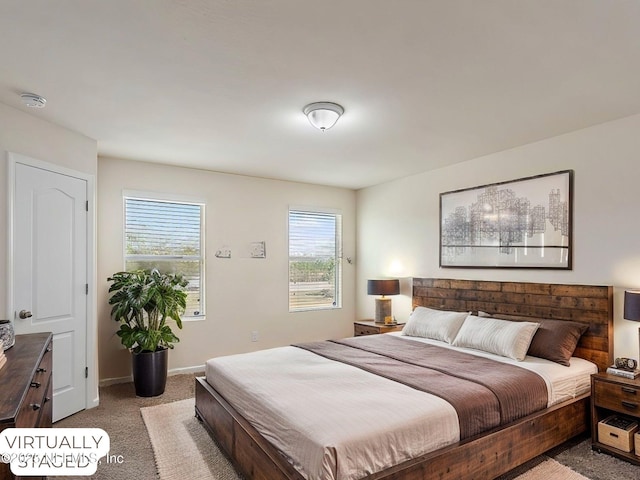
[150,372]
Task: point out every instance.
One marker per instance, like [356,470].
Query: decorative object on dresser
[7,334]
[524,223]
[620,397]
[369,327]
[632,309]
[383,305]
[25,386]
[143,301]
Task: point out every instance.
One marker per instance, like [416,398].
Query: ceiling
[220,84]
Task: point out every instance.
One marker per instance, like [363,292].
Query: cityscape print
[524,223]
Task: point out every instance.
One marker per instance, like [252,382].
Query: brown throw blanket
[485,393]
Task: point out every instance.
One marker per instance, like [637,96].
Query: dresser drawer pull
[48,349]
[41,370]
[46,399]
[35,384]
[35,406]
[632,391]
[629,405]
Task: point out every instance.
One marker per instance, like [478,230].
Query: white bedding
[338,422]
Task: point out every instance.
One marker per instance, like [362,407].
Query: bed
[499,448]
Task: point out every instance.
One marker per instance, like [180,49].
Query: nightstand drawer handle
[35,384]
[632,391]
[35,406]
[629,405]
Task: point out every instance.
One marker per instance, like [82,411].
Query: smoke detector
[32,100]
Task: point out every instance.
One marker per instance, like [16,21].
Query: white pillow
[502,337]
[435,324]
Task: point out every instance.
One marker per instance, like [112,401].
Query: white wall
[242,294]
[398,233]
[42,140]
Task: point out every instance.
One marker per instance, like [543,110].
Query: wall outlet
[254,336]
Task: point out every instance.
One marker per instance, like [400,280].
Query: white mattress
[337,422]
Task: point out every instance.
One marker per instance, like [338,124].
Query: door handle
[25,314]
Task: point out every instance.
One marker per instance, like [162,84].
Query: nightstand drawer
[617,397]
[369,327]
[364,330]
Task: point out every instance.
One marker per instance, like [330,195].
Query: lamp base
[383,309]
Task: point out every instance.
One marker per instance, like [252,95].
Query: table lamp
[383,305]
[632,308]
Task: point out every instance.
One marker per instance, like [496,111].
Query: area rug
[183,448]
[550,470]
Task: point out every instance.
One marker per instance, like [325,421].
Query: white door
[50,274]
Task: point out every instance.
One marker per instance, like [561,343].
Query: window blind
[315,267]
[167,236]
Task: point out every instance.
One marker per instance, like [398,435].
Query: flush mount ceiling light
[32,100]
[323,115]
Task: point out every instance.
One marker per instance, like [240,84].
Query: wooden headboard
[588,304]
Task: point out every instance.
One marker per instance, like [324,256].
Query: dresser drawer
[617,397]
[38,397]
[44,367]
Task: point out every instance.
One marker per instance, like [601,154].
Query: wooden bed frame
[485,456]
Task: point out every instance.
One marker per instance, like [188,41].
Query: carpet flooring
[119,414]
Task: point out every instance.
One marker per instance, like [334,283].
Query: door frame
[91,342]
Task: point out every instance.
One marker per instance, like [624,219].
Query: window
[167,235]
[315,260]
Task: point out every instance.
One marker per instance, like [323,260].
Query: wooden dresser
[25,386]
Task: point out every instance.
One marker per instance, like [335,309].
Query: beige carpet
[182,446]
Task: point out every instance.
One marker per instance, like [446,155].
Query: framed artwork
[524,223]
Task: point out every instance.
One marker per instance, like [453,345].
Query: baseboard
[105,382]
[179,371]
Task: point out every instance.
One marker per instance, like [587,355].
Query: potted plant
[143,301]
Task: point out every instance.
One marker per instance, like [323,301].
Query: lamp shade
[383,287]
[632,305]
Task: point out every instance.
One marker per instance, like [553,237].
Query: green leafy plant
[143,301]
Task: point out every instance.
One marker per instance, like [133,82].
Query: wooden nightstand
[369,327]
[611,394]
